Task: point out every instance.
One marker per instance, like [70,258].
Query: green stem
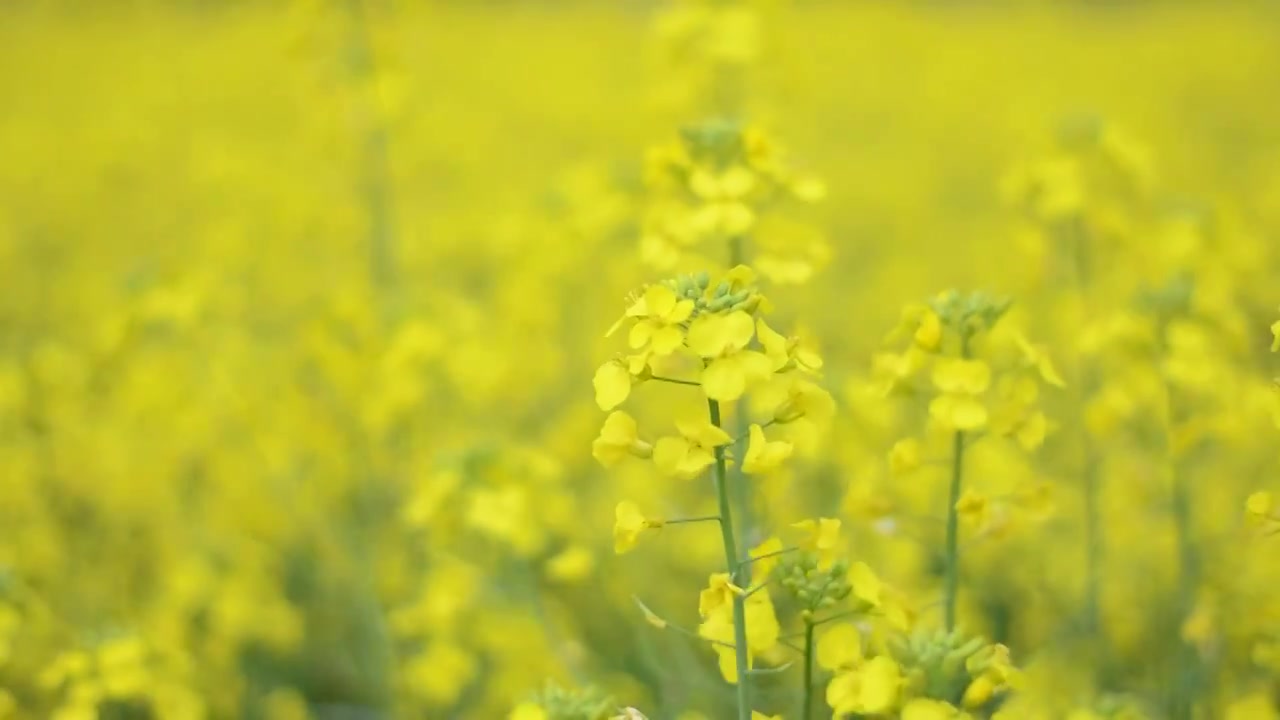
[377,157]
[741,489]
[720,475]
[807,712]
[1188,664]
[952,560]
[953,535]
[747,561]
[675,381]
[682,521]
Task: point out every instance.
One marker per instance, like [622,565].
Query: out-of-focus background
[300,305]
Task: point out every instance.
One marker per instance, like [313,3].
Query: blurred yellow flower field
[666,359]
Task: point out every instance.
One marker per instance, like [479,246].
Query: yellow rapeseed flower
[659,326]
[612,383]
[691,452]
[822,537]
[618,439]
[721,340]
[871,688]
[764,455]
[628,525]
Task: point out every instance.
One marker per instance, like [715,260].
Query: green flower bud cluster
[940,664]
[725,297]
[718,142]
[587,703]
[813,586]
[969,313]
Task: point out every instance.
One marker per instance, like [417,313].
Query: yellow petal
[612,384]
[709,335]
[723,380]
[669,454]
[839,647]
[958,375]
[703,433]
[866,584]
[926,709]
[659,301]
[775,345]
[958,412]
[761,569]
[667,340]
[641,333]
[881,683]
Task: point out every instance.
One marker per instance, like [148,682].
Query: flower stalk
[952,557]
[806,711]
[736,570]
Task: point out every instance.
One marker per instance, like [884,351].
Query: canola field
[644,359]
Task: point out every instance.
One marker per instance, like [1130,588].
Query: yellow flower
[959,412]
[805,400]
[921,324]
[659,329]
[1275,336]
[612,383]
[822,536]
[628,524]
[572,564]
[905,456]
[786,353]
[618,439]
[839,648]
[979,691]
[764,455]
[692,451]
[928,336]
[721,339]
[762,568]
[528,711]
[961,376]
[893,372]
[761,621]
[866,585]
[718,593]
[869,689]
[926,709]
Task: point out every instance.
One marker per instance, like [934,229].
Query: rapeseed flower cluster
[372,360]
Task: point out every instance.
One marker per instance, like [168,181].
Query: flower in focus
[691,452]
[629,524]
[618,439]
[764,455]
